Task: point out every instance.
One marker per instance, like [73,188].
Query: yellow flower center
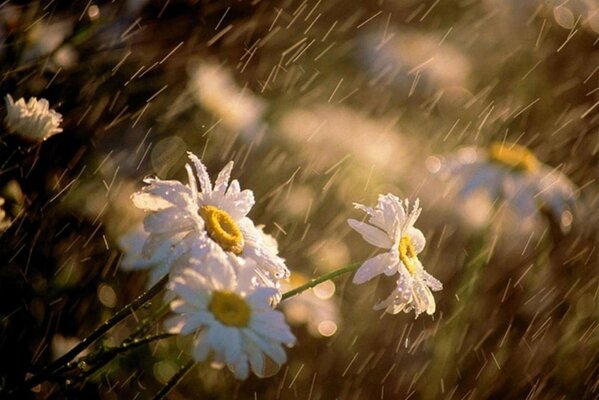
[513,156]
[407,254]
[230,309]
[222,229]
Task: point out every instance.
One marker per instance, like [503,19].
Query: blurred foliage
[518,316]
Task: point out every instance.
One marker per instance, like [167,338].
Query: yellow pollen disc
[230,309]
[222,229]
[407,254]
[513,156]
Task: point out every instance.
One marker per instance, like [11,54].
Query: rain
[410,212]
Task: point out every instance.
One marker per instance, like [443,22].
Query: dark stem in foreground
[179,375]
[97,333]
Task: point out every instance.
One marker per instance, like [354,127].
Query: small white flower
[511,172]
[391,227]
[190,218]
[34,120]
[232,319]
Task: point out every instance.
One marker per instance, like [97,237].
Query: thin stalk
[97,333]
[320,279]
[109,354]
[147,323]
[179,375]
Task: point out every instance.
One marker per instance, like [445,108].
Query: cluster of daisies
[225,275]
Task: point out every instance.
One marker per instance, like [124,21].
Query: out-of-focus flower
[4,220]
[193,219]
[403,57]
[512,173]
[239,109]
[328,133]
[34,120]
[232,319]
[315,307]
[42,38]
[391,226]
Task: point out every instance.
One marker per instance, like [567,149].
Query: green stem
[179,375]
[97,333]
[320,279]
[104,357]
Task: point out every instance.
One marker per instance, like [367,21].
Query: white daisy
[391,227]
[232,320]
[511,172]
[189,218]
[34,120]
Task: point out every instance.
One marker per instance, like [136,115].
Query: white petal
[172,219]
[203,177]
[191,287]
[371,268]
[222,180]
[272,350]
[417,238]
[431,281]
[201,347]
[157,191]
[232,340]
[154,243]
[272,326]
[372,235]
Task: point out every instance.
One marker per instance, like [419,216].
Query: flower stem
[105,356]
[179,375]
[97,333]
[320,279]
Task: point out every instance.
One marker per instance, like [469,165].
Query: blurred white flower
[34,120]
[391,227]
[328,133]
[194,219]
[315,307]
[511,172]
[42,39]
[413,60]
[214,89]
[4,220]
[232,319]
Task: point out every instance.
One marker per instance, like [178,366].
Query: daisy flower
[391,227]
[512,173]
[34,120]
[232,320]
[191,218]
